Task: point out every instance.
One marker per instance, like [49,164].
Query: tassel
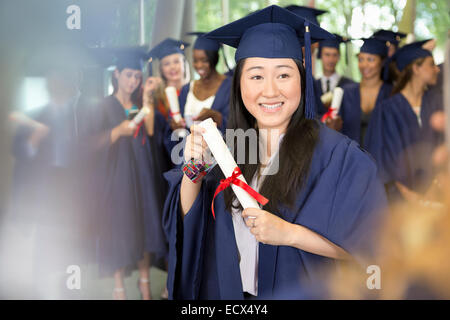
[310,105]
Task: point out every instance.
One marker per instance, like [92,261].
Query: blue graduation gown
[203,255]
[221,103]
[401,147]
[130,193]
[321,110]
[350,110]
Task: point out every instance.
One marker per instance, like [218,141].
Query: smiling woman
[361,98]
[317,213]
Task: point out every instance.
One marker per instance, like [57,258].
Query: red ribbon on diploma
[136,132]
[327,114]
[225,183]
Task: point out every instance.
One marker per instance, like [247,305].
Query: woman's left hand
[209,113]
[267,227]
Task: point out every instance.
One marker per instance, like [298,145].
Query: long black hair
[295,152]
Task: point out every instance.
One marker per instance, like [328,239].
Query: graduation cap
[308,13]
[389,36]
[203,43]
[410,52]
[129,57]
[374,46]
[166,48]
[332,43]
[274,32]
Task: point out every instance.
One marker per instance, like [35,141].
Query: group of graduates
[113,192]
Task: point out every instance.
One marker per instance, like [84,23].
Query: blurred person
[400,137]
[360,99]
[130,197]
[207,97]
[413,246]
[173,70]
[48,177]
[392,40]
[330,55]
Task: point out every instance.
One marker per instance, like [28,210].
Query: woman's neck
[371,82]
[177,84]
[211,79]
[413,92]
[124,99]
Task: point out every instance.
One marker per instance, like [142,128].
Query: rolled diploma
[139,117]
[225,161]
[338,93]
[172,97]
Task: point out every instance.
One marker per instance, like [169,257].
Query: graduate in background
[317,212]
[173,70]
[130,194]
[207,97]
[330,54]
[361,98]
[49,172]
[399,136]
[392,41]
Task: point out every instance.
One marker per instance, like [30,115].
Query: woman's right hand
[196,146]
[124,129]
[177,125]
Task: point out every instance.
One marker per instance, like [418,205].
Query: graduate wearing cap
[329,53]
[392,39]
[317,212]
[209,96]
[173,70]
[130,191]
[361,98]
[399,136]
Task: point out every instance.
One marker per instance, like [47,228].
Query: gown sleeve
[358,202]
[186,237]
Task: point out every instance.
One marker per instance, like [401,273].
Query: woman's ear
[415,68]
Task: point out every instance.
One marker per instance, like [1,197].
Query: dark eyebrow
[278,66]
[255,67]
[284,66]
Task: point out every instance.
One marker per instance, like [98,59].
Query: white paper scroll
[225,161]
[172,97]
[338,93]
[139,117]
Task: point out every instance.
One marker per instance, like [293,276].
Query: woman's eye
[284,76]
[256,77]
